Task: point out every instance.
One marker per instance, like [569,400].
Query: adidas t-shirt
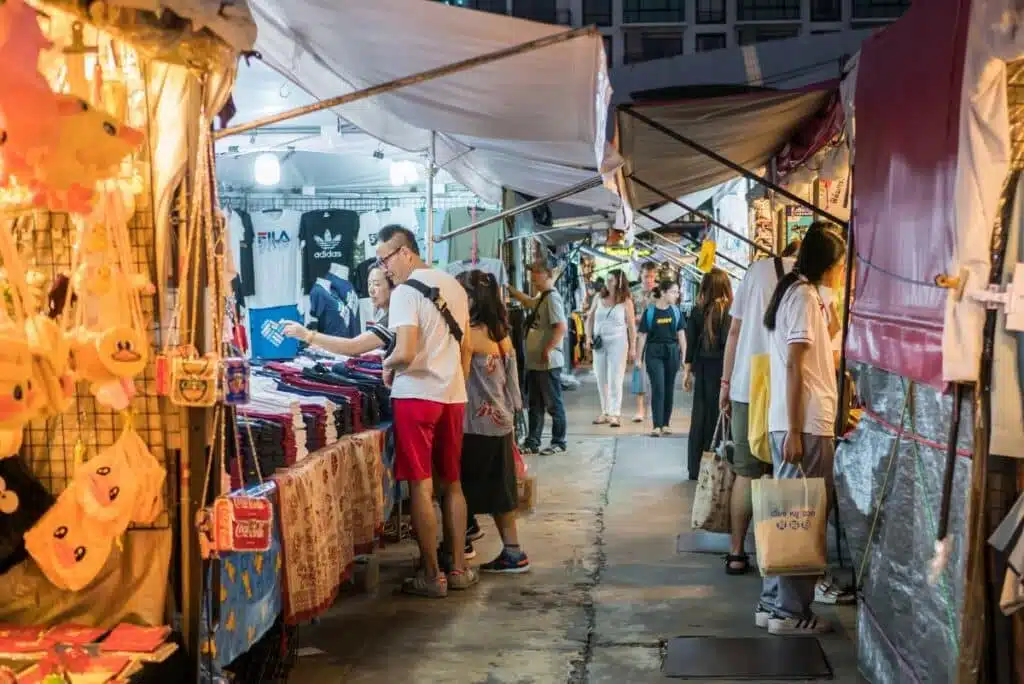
[328,237]
[275,258]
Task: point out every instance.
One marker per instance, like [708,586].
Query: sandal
[638,419]
[614,422]
[743,560]
[601,420]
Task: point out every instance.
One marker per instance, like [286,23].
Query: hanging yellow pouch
[757,417]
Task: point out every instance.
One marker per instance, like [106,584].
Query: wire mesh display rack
[45,242]
[360,203]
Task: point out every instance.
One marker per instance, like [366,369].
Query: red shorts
[428,438]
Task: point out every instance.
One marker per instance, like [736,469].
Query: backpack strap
[434,295]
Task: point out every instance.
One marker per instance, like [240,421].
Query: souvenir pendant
[236,381]
[194,382]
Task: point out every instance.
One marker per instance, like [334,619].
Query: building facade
[642,30]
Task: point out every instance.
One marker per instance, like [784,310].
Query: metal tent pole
[431,173]
[414,79]
[663,224]
[526,206]
[711,154]
[706,217]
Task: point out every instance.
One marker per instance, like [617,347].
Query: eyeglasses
[383,261]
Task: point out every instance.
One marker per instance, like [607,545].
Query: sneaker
[473,533]
[528,450]
[791,626]
[507,564]
[828,593]
[762,616]
[420,585]
[553,449]
[460,581]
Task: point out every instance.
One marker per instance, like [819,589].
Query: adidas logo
[328,244]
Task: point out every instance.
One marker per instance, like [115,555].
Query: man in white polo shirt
[429,313]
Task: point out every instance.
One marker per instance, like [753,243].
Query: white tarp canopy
[534,122]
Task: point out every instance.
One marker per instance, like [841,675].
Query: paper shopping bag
[790,522]
[711,511]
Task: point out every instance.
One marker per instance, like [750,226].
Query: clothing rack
[261,201]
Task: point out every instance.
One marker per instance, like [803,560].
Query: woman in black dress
[706,334]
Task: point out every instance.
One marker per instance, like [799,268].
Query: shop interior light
[403,173]
[266,170]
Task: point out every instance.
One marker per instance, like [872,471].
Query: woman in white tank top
[611,329]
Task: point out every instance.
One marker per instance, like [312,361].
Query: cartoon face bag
[67,545]
[106,488]
[23,500]
[150,476]
[194,382]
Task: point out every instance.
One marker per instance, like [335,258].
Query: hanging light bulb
[266,170]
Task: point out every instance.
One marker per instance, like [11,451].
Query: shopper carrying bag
[714,486]
[790,523]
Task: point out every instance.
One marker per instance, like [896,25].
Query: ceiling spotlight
[266,170]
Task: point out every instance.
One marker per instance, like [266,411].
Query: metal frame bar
[746,173]
[706,217]
[663,224]
[429,74]
[526,206]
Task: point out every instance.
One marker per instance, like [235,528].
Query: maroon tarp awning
[907,116]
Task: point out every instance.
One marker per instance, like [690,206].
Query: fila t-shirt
[328,237]
[275,258]
[749,303]
[802,319]
[435,373]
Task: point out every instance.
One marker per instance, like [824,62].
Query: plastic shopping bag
[790,521]
[711,511]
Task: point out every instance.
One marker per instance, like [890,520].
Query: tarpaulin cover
[907,106]
[534,122]
[908,630]
[746,129]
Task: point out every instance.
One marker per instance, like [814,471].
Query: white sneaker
[762,616]
[827,593]
[782,626]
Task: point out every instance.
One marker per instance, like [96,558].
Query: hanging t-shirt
[266,332]
[241,237]
[276,259]
[489,238]
[328,237]
[405,217]
[440,252]
[493,266]
[346,294]
[333,317]
[366,241]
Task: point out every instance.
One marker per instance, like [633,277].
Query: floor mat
[757,658]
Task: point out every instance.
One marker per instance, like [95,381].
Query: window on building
[879,9]
[545,11]
[706,42]
[653,11]
[643,46]
[609,46]
[710,11]
[767,10]
[748,35]
[826,10]
[597,12]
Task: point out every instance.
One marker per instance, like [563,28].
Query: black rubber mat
[759,658]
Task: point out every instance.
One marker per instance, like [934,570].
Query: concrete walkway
[607,588]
